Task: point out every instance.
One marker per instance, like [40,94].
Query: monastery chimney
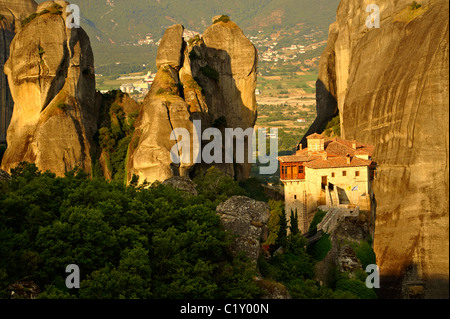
[300,147]
[315,143]
[354,144]
[348,159]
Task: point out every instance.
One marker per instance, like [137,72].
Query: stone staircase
[333,214]
[329,217]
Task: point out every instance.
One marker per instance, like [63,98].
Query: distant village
[141,86]
[269,50]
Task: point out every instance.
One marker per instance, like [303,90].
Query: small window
[357,173]
[344,173]
[333,174]
[295,196]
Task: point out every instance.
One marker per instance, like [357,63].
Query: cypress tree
[294,223]
[282,231]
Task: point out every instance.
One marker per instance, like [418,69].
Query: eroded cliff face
[206,80]
[51,76]
[11,15]
[391,85]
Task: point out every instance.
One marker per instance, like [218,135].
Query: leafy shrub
[365,254]
[414,5]
[276,207]
[161,91]
[333,127]
[192,84]
[216,186]
[132,119]
[43,12]
[254,189]
[224,18]
[136,142]
[29,19]
[320,248]
[107,141]
[316,220]
[41,52]
[309,289]
[290,267]
[118,158]
[192,41]
[356,288]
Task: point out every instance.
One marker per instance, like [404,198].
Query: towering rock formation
[164,109]
[231,94]
[11,15]
[211,79]
[391,85]
[51,76]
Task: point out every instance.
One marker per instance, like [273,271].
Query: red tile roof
[337,151]
[333,162]
[340,147]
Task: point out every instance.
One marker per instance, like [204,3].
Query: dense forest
[151,241]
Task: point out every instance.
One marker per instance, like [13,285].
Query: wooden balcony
[292,171]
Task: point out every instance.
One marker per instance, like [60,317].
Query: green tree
[153,242]
[318,216]
[282,230]
[216,186]
[276,208]
[294,223]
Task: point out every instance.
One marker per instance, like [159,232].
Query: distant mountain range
[125,22]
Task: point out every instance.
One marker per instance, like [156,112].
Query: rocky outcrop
[345,233]
[171,48]
[24,290]
[210,79]
[272,290]
[164,110]
[247,219]
[51,76]
[225,63]
[182,183]
[11,15]
[391,85]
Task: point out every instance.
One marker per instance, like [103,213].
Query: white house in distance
[332,172]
